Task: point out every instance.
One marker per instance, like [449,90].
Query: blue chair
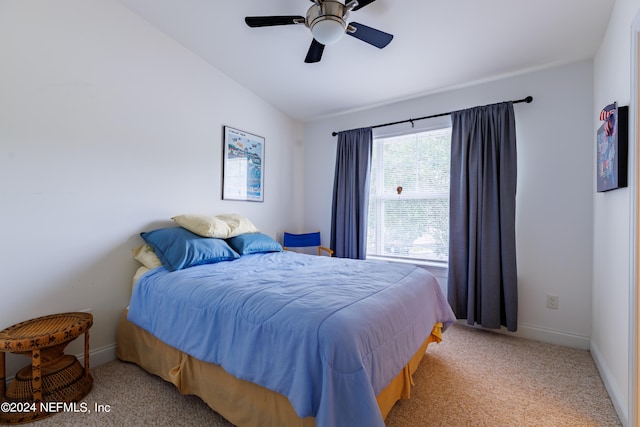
[305,240]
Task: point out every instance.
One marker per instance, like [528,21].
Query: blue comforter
[327,333]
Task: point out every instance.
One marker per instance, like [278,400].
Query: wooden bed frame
[240,402]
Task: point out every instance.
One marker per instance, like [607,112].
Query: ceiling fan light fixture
[327,21]
[328,29]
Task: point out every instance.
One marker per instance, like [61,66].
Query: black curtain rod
[528,99]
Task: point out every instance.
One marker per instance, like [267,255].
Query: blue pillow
[253,243]
[179,248]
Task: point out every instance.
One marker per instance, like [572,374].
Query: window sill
[433,266]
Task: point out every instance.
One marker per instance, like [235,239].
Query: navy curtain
[351,193]
[482,285]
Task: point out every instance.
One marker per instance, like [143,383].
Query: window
[409,196]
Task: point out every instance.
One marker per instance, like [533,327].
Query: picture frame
[612,148]
[243,165]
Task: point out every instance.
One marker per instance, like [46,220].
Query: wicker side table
[52,375]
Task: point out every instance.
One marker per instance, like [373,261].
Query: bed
[270,337]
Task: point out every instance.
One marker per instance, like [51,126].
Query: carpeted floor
[473,378]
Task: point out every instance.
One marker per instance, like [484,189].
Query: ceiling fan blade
[363,3]
[315,52]
[370,35]
[269,21]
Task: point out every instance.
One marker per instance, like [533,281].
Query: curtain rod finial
[528,99]
[334,133]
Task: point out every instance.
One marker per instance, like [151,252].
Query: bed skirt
[240,402]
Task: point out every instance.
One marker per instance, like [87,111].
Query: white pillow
[203,225]
[146,256]
[238,224]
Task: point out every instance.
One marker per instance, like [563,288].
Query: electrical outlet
[553,301]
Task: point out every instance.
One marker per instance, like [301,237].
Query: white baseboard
[541,334]
[621,409]
[100,355]
[552,336]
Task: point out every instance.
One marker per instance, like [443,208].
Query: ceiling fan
[328,21]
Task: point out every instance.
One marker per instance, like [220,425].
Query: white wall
[611,260]
[108,128]
[554,194]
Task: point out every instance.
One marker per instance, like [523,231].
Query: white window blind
[409,196]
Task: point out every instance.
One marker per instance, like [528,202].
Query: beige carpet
[474,378]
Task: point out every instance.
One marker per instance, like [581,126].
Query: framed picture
[612,148]
[243,167]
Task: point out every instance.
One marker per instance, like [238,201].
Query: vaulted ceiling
[437,45]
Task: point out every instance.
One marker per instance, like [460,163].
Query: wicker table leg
[36,377]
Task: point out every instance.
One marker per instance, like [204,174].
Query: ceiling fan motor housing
[327,21]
